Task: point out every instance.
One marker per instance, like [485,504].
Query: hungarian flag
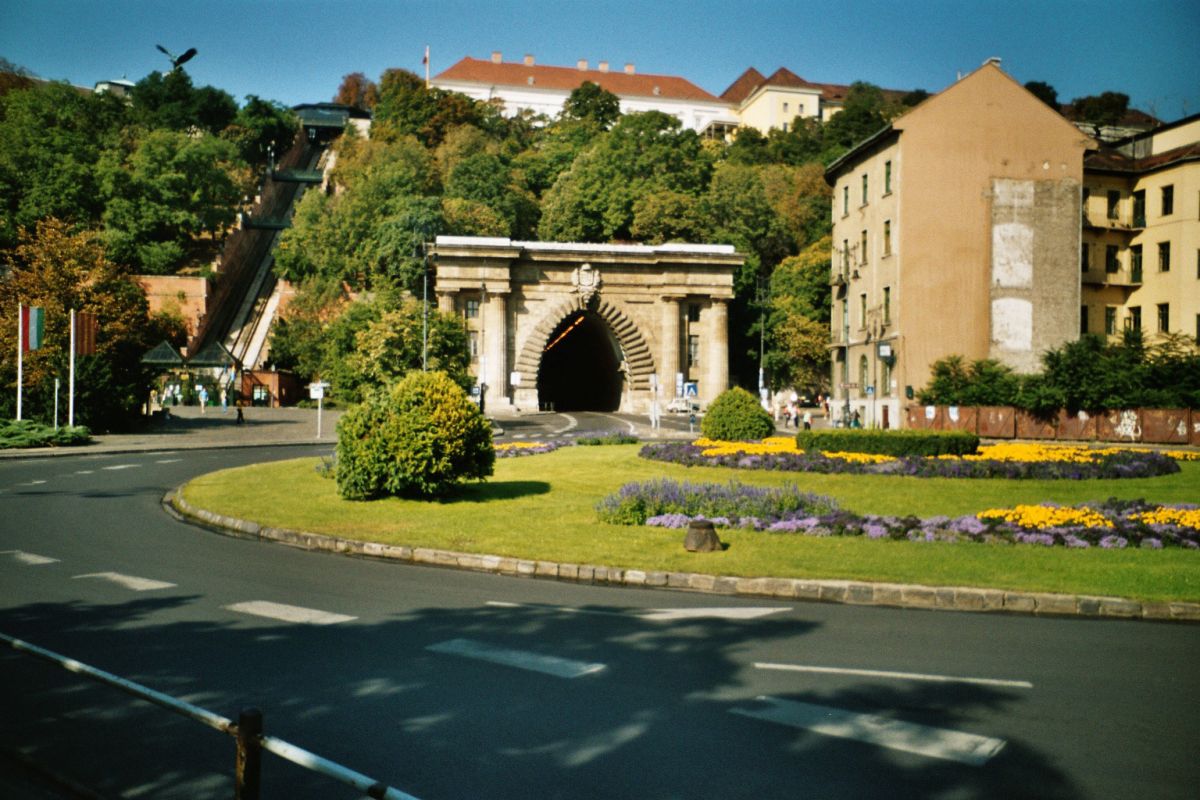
[85,333]
[33,328]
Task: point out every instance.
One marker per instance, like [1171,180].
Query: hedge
[888,442]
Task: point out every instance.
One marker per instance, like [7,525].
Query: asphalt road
[460,685]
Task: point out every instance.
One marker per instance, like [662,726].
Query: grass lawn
[541,507]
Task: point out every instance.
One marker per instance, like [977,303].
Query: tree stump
[701,537]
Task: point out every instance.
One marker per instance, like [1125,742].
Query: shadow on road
[655,722]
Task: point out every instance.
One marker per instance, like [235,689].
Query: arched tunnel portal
[580,367]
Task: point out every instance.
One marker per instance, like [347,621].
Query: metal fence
[247,731]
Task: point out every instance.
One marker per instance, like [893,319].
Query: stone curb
[895,595]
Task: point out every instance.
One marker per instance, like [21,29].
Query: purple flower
[1151,543]
[1113,541]
[874,530]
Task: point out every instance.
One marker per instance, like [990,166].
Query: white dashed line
[31,483]
[905,676]
[129,581]
[29,559]
[521,659]
[657,614]
[122,466]
[168,460]
[908,737]
[84,471]
[286,613]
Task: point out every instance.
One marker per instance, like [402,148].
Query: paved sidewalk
[188,429]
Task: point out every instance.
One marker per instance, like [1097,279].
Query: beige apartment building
[775,101]
[1140,254]
[955,231]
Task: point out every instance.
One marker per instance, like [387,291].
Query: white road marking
[168,460]
[905,676]
[31,483]
[84,471]
[571,423]
[286,613]
[29,559]
[676,614]
[128,581]
[122,466]
[656,614]
[521,659]
[626,423]
[965,748]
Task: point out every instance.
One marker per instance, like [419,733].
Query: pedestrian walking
[808,420]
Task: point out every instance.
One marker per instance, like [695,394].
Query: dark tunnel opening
[581,367]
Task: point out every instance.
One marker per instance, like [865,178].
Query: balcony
[1122,277]
[1121,222]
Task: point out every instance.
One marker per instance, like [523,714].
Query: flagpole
[20,356]
[426,67]
[71,390]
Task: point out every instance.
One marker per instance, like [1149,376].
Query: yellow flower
[1186,517]
[518,445]
[1029,516]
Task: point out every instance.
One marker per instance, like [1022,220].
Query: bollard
[248,775]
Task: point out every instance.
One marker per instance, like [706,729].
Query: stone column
[494,345]
[668,358]
[445,302]
[716,352]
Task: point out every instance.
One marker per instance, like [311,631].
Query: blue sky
[298,50]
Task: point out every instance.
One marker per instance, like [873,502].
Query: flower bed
[1110,525]
[1011,461]
[517,449]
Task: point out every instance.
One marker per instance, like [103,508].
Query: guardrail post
[248,775]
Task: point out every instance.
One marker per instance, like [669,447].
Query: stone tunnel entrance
[580,368]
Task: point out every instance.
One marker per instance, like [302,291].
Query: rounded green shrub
[736,416]
[419,438]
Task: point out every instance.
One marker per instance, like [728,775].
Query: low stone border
[949,598]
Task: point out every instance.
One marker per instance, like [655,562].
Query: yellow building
[955,231]
[1140,255]
[776,101]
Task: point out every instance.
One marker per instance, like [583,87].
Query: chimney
[629,69]
[603,66]
[495,56]
[528,60]
[581,64]
[994,60]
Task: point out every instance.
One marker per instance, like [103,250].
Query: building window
[1198,329]
[1112,261]
[473,343]
[862,376]
[845,257]
[1164,256]
[785,107]
[887,177]
[1135,263]
[1083,320]
[1134,321]
[864,199]
[693,350]
[1139,209]
[862,257]
[845,200]
[1168,200]
[472,309]
[887,305]
[886,369]
[693,312]
[1114,204]
[887,237]
[1110,320]
[1164,317]
[862,310]
[1084,259]
[785,127]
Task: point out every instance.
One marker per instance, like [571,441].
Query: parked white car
[682,405]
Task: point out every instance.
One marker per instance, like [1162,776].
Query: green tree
[645,152]
[169,100]
[589,101]
[50,140]
[748,147]
[260,126]
[358,91]
[165,190]
[863,114]
[667,216]
[1044,92]
[1107,108]
[390,347]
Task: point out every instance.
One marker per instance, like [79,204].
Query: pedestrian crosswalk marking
[287,613]
[908,737]
[129,581]
[29,559]
[520,659]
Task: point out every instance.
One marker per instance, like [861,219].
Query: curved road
[460,685]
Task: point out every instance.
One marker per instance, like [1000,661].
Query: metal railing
[247,731]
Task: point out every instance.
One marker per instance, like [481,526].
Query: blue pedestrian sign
[690,389]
